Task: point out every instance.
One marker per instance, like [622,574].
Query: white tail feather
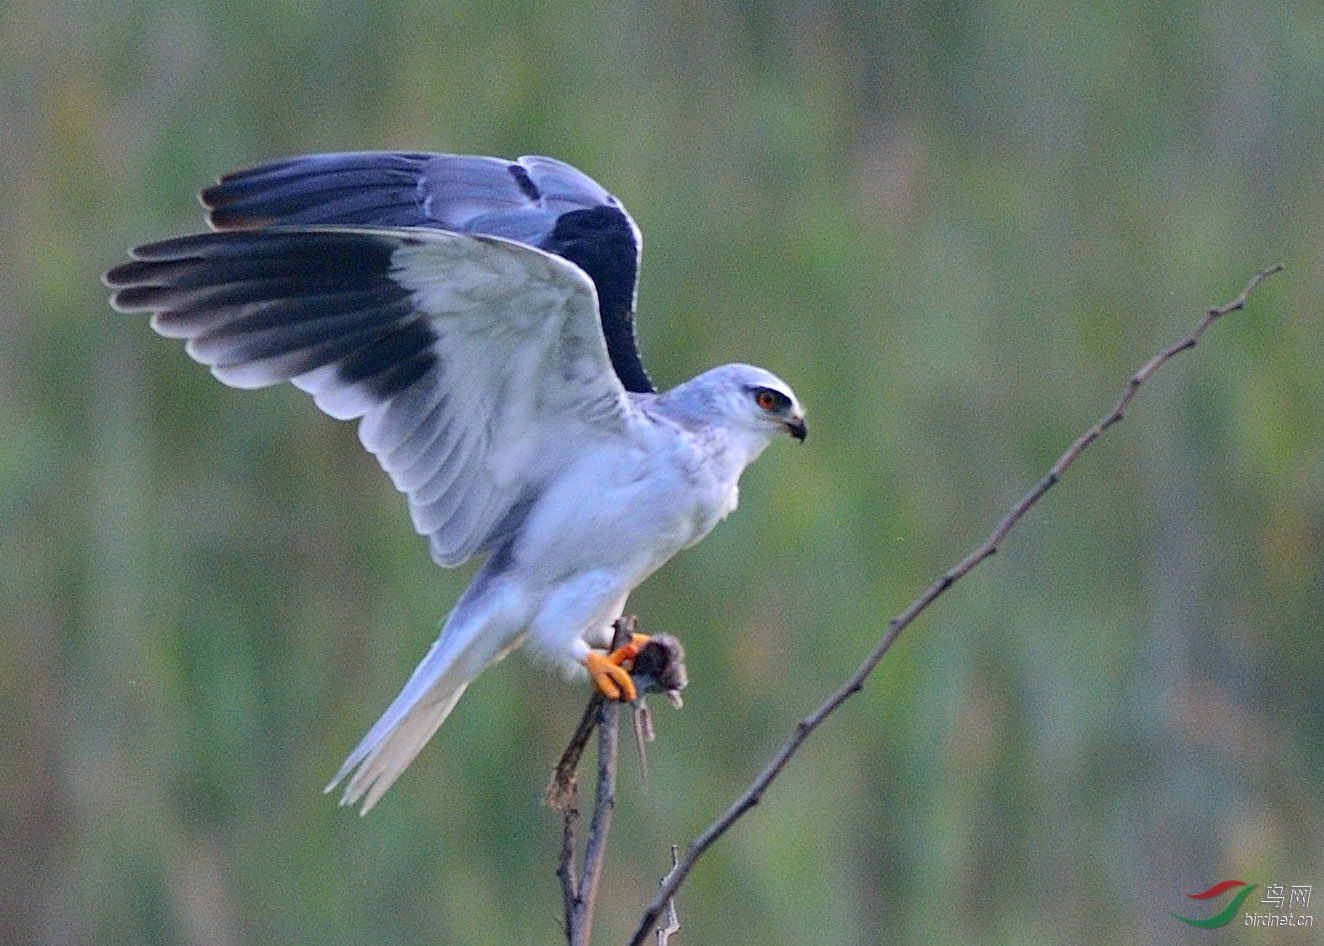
[382,756]
[467,644]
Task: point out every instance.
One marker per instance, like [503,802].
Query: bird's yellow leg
[611,672]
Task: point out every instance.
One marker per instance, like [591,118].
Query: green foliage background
[955,228]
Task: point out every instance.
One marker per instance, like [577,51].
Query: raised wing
[475,363]
[537,201]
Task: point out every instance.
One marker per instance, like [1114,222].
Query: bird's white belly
[603,526]
[620,511]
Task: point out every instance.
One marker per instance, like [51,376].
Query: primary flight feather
[476,316]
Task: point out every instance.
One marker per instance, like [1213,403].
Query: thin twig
[664,933]
[563,795]
[751,796]
[563,788]
[604,804]
[565,863]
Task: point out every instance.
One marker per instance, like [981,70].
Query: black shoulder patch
[601,242]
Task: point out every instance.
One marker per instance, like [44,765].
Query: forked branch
[659,667]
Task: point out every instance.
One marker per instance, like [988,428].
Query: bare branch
[658,667]
[751,796]
[563,795]
[604,805]
[563,788]
[579,890]
[664,933]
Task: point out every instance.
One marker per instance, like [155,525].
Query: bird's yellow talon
[611,672]
[610,679]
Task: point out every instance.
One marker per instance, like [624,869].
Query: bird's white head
[750,404]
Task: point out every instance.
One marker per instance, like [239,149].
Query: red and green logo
[1225,917]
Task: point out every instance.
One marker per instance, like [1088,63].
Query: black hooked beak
[796,428]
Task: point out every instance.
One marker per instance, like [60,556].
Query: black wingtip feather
[283,301]
[393,362]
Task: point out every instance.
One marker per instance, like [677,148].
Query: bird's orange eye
[766,399]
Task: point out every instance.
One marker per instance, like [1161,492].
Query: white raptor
[477,316]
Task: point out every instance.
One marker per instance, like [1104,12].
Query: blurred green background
[955,228]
